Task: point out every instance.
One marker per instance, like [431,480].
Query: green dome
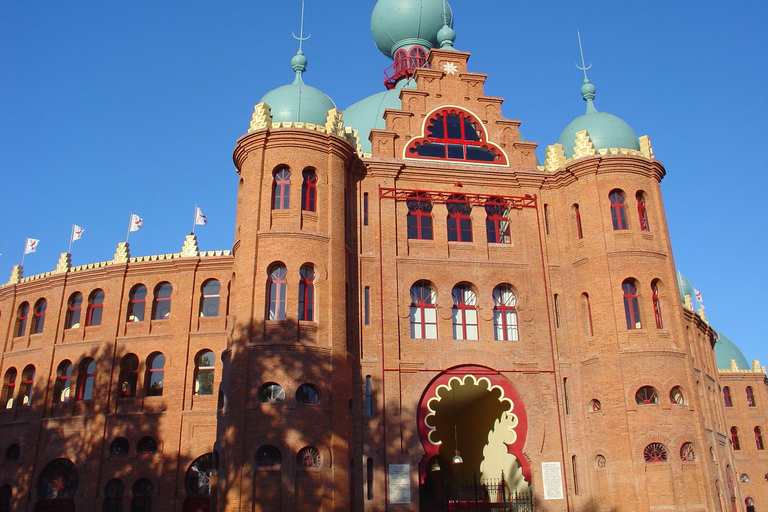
[399,24]
[685,287]
[298,102]
[725,350]
[368,113]
[605,130]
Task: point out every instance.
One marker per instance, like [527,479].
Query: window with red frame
[577,216]
[727,397]
[419,216]
[9,388]
[27,380]
[308,457]
[497,221]
[209,302]
[646,395]
[687,453]
[21,319]
[618,210]
[642,212]
[155,374]
[464,313]
[95,308]
[129,375]
[401,60]
[759,438]
[73,311]
[309,191]
[417,57]
[631,304]
[85,379]
[141,500]
[735,438]
[161,309]
[459,219]
[276,286]
[307,293]
[137,301]
[281,189]
[113,496]
[453,134]
[423,312]
[751,402]
[38,320]
[63,385]
[588,314]
[504,313]
[657,305]
[654,453]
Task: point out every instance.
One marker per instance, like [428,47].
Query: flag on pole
[200,219]
[77,232]
[31,245]
[136,223]
[698,296]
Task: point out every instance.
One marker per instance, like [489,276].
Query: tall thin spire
[299,61]
[587,89]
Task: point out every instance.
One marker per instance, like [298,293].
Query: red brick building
[416,314]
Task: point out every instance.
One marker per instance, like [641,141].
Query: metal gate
[481,495]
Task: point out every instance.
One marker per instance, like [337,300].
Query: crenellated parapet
[584,147]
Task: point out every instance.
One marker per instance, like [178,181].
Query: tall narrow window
[727,397]
[63,385]
[136,303]
[618,210]
[631,304]
[565,396]
[307,293]
[575,476]
[73,311]
[95,308]
[759,438]
[546,218]
[161,309]
[204,372]
[276,286]
[155,374]
[85,378]
[577,217]
[642,212]
[9,388]
[497,221]
[504,313]
[281,190]
[309,191]
[38,321]
[464,313]
[27,381]
[113,496]
[21,319]
[657,304]
[588,314]
[369,478]
[209,302]
[735,438]
[419,216]
[6,497]
[141,501]
[751,402]
[423,312]
[459,219]
[129,375]
[365,209]
[557,310]
[367,305]
[368,396]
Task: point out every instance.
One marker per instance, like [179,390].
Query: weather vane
[301,37]
[583,67]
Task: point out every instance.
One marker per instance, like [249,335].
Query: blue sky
[108,108]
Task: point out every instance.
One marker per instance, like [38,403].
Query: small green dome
[298,102]
[368,113]
[685,287]
[605,130]
[399,24]
[725,350]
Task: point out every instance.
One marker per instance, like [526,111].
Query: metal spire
[583,67]
[301,37]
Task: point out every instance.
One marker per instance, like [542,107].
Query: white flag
[77,232]
[698,296]
[136,222]
[31,245]
[200,219]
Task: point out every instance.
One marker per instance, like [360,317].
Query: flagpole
[71,234]
[26,241]
[194,220]
[129,227]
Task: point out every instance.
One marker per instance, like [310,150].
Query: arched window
[129,375]
[423,312]
[309,191]
[751,402]
[137,301]
[27,380]
[577,218]
[119,446]
[204,372]
[9,388]
[197,481]
[6,495]
[497,221]
[161,308]
[58,481]
[271,393]
[657,304]
[268,456]
[209,303]
[459,219]
[113,496]
[687,453]
[401,60]
[642,212]
[750,503]
[38,321]
[146,445]
[744,478]
[62,387]
[595,405]
[464,312]
[588,314]
[655,452]
[73,311]
[86,376]
[21,319]
[417,57]
[95,308]
[155,374]
[141,501]
[13,452]
[419,216]
[281,189]
[631,304]
[307,293]
[735,438]
[676,395]
[618,210]
[307,394]
[646,395]
[276,285]
[759,438]
[727,396]
[504,313]
[308,457]
[600,461]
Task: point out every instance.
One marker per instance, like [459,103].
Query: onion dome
[399,24]
[368,113]
[685,287]
[298,102]
[725,350]
[605,130]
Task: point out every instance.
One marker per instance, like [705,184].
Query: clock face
[58,481]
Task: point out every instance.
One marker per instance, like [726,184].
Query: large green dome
[725,350]
[399,24]
[605,130]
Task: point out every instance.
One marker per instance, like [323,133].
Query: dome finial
[299,61]
[446,35]
[587,90]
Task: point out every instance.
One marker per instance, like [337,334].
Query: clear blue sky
[108,108]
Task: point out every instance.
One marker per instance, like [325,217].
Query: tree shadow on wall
[593,506]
